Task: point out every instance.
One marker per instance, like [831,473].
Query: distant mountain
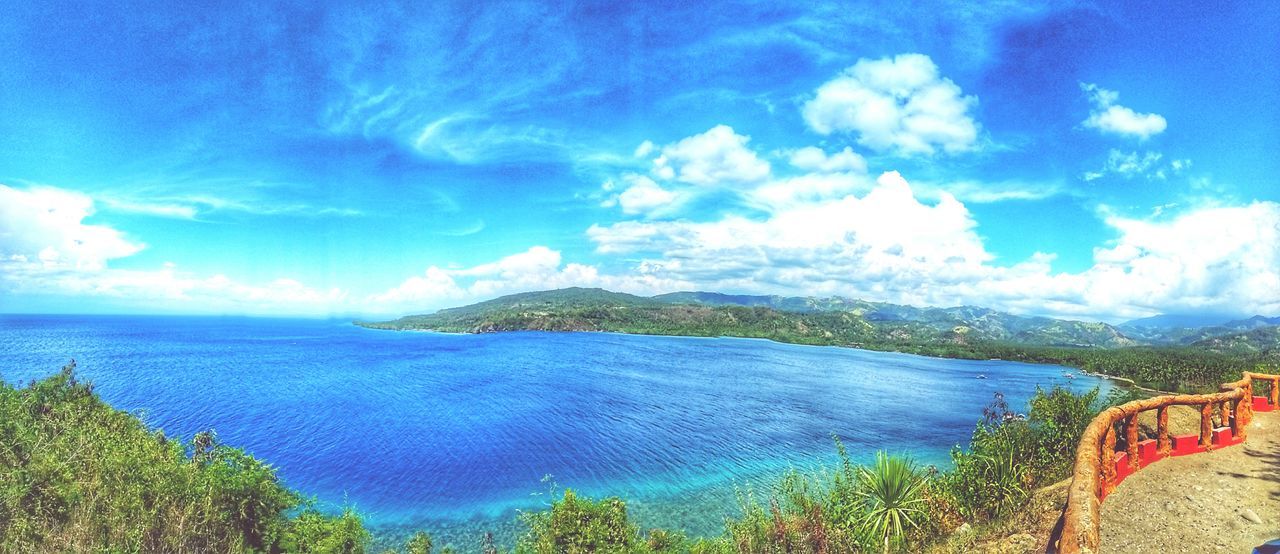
[1184,329]
[1261,340]
[1176,321]
[1252,323]
[807,320]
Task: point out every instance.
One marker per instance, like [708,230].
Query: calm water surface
[456,433]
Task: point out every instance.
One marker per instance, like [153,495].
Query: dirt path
[1227,500]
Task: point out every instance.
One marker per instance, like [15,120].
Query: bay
[457,433]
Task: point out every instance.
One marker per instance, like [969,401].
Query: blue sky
[1090,161]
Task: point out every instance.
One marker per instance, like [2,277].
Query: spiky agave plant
[891,491]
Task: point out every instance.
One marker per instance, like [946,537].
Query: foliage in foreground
[81,476]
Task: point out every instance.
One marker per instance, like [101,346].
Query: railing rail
[1099,468]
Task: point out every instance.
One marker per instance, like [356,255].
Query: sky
[1091,161]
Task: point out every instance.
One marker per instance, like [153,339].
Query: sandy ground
[1227,500]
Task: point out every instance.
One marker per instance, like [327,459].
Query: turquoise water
[455,433]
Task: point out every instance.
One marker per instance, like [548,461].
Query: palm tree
[891,491]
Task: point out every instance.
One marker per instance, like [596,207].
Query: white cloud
[468,138]
[888,245]
[168,289]
[986,192]
[1220,259]
[806,188]
[47,223]
[47,249]
[717,157]
[644,196]
[178,211]
[812,158]
[900,104]
[855,246]
[1109,117]
[435,284]
[1134,164]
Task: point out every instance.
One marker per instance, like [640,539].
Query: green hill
[1260,341]
[806,320]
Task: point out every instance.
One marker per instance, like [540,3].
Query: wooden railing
[1100,468]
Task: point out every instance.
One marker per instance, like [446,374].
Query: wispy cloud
[986,192]
[1128,165]
[177,211]
[181,200]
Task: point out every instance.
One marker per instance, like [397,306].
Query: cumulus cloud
[643,195]
[718,156]
[47,248]
[854,246]
[900,104]
[889,245]
[1109,117]
[1221,259]
[47,223]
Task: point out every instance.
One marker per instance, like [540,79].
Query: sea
[459,434]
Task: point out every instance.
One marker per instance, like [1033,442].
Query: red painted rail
[1100,468]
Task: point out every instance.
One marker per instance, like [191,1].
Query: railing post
[1275,391]
[1164,446]
[1109,460]
[1224,413]
[1247,403]
[1131,440]
[1206,425]
[1240,422]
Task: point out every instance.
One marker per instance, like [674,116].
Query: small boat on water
[982,376]
[1069,375]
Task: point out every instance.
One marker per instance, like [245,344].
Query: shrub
[312,532]
[892,492]
[1059,418]
[1009,455]
[420,543]
[577,525]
